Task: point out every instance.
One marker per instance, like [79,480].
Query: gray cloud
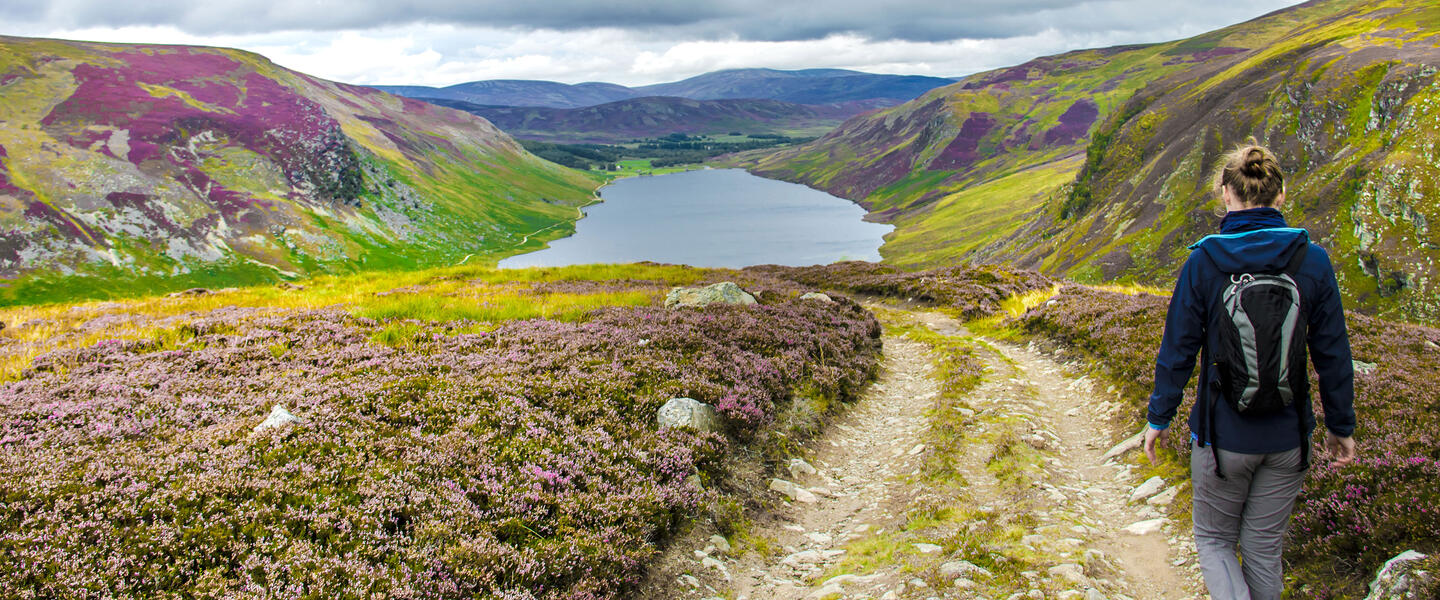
[763,20]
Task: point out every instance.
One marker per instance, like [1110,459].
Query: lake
[714,218]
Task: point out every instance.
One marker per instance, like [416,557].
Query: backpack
[1260,355]
[1260,352]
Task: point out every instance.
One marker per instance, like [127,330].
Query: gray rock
[1403,578]
[958,568]
[680,413]
[724,292]
[1070,572]
[1145,490]
[1094,594]
[804,557]
[792,491]
[1145,527]
[798,468]
[721,544]
[1362,367]
[688,581]
[190,292]
[279,418]
[924,548]
[816,296]
[1166,497]
[1135,441]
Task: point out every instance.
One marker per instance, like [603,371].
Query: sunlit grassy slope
[480,296]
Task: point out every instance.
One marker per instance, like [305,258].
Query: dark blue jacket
[1254,241]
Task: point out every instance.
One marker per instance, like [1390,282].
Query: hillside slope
[1351,105]
[164,166]
[986,169]
[658,116]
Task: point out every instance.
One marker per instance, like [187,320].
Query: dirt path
[1039,504]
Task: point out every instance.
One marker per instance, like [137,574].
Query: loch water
[714,218]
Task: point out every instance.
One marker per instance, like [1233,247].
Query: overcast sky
[631,42]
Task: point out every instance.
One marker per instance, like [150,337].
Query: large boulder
[724,292]
[681,413]
[1407,576]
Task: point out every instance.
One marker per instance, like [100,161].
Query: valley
[805,333]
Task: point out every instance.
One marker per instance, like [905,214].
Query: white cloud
[444,53]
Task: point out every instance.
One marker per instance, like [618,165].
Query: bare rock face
[688,412]
[724,292]
[1405,577]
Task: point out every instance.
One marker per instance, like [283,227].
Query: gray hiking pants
[1250,509]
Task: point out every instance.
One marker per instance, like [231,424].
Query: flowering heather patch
[1348,521]
[522,462]
[971,290]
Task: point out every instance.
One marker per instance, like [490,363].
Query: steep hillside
[519,92]
[658,116]
[806,86]
[152,167]
[1095,164]
[1351,104]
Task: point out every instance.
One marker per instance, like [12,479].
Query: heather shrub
[435,460]
[1348,521]
[970,291]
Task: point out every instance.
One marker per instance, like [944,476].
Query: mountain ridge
[805,86]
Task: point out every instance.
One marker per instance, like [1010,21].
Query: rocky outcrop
[724,292]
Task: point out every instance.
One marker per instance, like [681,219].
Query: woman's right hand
[1152,437]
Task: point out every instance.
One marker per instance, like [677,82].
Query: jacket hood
[1253,241]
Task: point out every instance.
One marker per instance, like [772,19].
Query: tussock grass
[477,293]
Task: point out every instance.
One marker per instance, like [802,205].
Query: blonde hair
[1252,174]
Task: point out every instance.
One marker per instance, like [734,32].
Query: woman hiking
[1253,301]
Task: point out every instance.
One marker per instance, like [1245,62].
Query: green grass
[963,224]
[482,294]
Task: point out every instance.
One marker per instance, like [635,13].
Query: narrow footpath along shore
[1009,491]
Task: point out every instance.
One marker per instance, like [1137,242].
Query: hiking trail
[1047,523]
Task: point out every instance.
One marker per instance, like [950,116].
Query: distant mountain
[1095,164]
[519,92]
[809,86]
[125,167]
[659,115]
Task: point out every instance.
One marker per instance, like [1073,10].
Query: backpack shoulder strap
[1297,260]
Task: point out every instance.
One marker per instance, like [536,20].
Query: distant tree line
[667,151]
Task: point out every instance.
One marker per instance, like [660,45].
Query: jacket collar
[1238,221]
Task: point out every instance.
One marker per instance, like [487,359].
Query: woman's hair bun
[1252,173]
[1254,163]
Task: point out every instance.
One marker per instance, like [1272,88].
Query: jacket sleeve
[1184,335]
[1330,351]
